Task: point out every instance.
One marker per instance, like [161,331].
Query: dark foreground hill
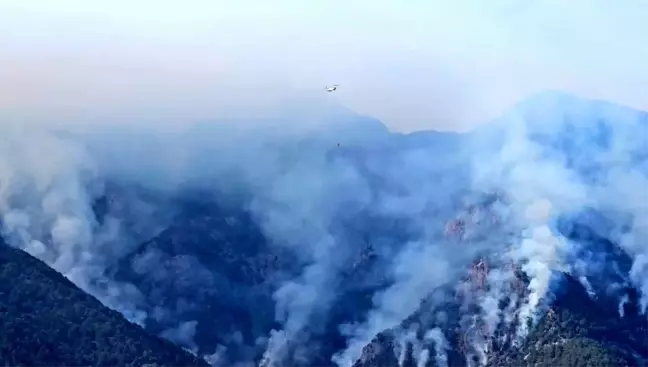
[45,320]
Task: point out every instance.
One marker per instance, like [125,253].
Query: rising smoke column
[425,196]
[298,209]
[47,187]
[539,187]
[417,271]
[45,198]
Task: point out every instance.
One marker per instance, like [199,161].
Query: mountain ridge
[46,320]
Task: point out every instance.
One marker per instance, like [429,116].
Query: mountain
[519,243]
[48,321]
[592,316]
[576,330]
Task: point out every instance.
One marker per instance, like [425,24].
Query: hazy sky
[412,63]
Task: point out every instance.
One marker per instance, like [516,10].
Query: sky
[414,64]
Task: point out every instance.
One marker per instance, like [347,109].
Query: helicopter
[332,88]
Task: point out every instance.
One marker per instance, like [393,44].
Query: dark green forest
[45,320]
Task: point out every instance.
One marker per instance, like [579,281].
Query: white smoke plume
[48,184]
[183,335]
[440,346]
[550,178]
[418,270]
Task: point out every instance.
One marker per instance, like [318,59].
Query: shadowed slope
[45,320]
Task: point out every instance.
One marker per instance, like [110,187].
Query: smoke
[183,335]
[310,186]
[560,156]
[551,157]
[299,184]
[298,210]
[51,182]
[48,185]
[418,270]
[440,346]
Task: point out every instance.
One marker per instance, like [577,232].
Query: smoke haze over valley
[281,246]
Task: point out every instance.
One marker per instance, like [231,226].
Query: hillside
[575,331]
[45,320]
[219,258]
